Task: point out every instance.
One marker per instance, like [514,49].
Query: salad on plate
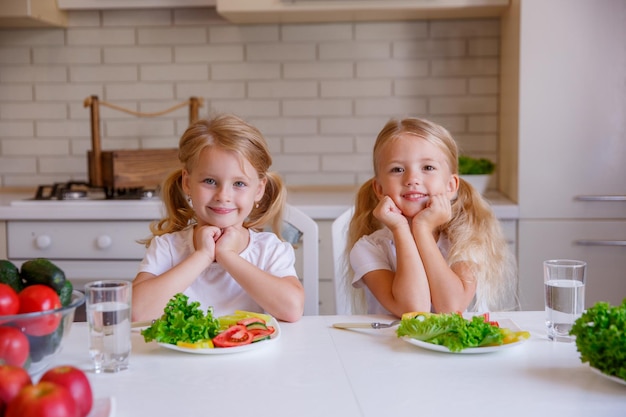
[185,327]
[451,332]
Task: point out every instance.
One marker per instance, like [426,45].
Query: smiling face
[223,187]
[409,169]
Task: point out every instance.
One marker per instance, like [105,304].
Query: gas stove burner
[131,194]
[71,190]
[76,190]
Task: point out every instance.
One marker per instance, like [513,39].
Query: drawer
[76,239]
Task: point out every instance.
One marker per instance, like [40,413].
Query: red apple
[42,400]
[76,382]
[12,380]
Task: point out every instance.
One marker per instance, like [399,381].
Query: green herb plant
[451,330]
[601,338]
[182,321]
[475,166]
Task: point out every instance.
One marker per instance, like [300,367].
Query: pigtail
[179,213]
[271,207]
[475,235]
[363,221]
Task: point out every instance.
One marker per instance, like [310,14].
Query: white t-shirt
[215,287]
[378,251]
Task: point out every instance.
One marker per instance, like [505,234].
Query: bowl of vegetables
[35,316]
[601,339]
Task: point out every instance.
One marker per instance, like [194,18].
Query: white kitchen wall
[319,92]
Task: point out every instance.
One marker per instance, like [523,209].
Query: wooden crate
[141,168]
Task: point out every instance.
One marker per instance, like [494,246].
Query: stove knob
[43,241]
[104,241]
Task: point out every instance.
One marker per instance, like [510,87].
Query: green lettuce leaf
[451,330]
[182,322]
[601,338]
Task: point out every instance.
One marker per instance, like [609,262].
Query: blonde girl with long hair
[210,244]
[421,238]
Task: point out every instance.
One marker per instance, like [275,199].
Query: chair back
[306,243]
[339,234]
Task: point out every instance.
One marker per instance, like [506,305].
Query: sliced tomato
[260,337]
[236,335]
[261,334]
[251,320]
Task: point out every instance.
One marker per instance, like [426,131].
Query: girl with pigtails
[210,245]
[422,239]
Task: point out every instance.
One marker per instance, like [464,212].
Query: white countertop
[316,370]
[320,204]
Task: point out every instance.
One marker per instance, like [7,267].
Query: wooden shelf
[303,11]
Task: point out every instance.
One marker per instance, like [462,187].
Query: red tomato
[42,400]
[39,298]
[12,380]
[76,382]
[14,346]
[9,302]
[236,335]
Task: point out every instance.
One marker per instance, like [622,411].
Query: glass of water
[108,313]
[564,281]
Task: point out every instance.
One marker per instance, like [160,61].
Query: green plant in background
[475,166]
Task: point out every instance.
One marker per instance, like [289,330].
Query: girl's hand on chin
[438,211]
[231,239]
[388,213]
[204,238]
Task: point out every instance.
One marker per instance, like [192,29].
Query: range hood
[309,11]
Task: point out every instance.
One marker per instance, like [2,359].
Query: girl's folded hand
[438,211]
[389,214]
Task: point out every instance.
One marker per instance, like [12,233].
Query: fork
[374,325]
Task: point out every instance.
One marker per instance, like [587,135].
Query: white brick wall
[319,92]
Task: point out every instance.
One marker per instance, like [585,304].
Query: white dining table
[313,369]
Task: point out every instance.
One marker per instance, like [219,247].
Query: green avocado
[65,295]
[42,271]
[10,275]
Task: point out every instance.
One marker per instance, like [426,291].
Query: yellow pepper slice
[201,344]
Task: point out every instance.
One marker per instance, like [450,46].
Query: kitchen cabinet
[31,13]
[563,124]
[575,239]
[84,250]
[131,4]
[306,11]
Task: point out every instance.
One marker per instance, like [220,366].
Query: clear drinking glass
[108,313]
[564,281]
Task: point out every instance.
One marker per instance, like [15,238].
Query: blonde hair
[474,231]
[230,133]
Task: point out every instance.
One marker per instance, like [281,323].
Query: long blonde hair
[474,231]
[230,133]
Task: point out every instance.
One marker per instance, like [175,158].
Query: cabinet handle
[104,241]
[600,198]
[43,241]
[600,242]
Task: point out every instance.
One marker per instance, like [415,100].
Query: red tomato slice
[250,320]
[236,335]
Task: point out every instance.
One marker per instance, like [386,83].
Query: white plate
[222,351]
[609,377]
[504,323]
